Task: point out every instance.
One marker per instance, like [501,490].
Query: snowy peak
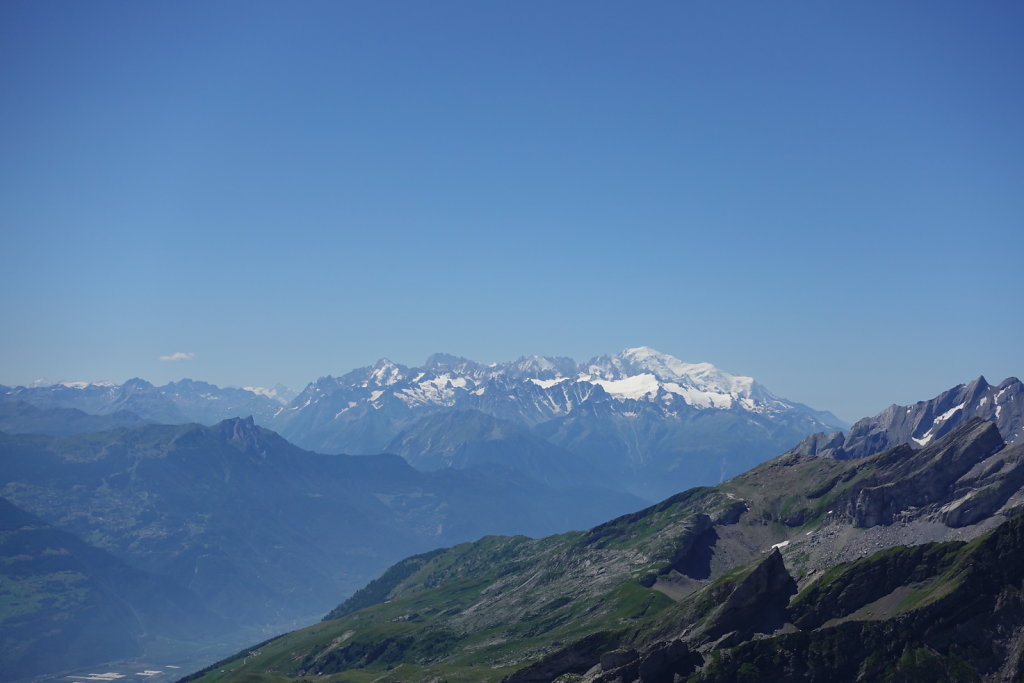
[925,422]
[645,360]
[71,385]
[279,393]
[542,368]
[535,388]
[385,373]
[643,371]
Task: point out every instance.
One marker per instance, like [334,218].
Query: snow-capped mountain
[630,414]
[926,421]
[636,374]
[639,420]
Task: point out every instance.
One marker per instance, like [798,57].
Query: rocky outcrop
[828,445]
[661,663]
[925,422]
[967,626]
[903,478]
[757,604]
[577,658]
[665,661]
[985,488]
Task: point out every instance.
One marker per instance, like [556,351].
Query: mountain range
[258,532]
[639,420]
[225,534]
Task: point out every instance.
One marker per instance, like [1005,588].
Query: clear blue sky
[826,196]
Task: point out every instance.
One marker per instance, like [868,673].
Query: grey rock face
[758,603]
[961,468]
[926,421]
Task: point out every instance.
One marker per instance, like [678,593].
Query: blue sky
[826,196]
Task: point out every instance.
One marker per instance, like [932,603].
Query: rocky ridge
[925,421]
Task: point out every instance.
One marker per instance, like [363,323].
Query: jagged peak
[242,432]
[71,385]
[980,382]
[386,372]
[238,423]
[541,367]
[189,383]
[444,360]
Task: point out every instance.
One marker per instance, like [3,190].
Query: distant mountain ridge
[925,421]
[642,418]
[19,417]
[174,403]
[638,374]
[257,531]
[644,421]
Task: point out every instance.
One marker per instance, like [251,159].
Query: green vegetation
[692,583]
[54,592]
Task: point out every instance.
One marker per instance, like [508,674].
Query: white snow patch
[698,398]
[783,544]
[263,391]
[949,413]
[637,386]
[374,395]
[385,374]
[438,390]
[547,383]
[703,375]
[923,441]
[351,405]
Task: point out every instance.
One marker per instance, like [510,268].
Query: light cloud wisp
[177,355]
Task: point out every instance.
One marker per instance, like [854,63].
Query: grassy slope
[478,611]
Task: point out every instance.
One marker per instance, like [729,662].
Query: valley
[213,538]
